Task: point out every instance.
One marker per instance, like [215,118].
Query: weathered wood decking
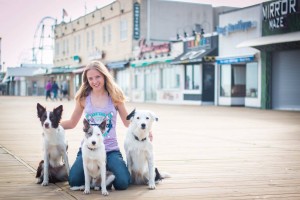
[211,152]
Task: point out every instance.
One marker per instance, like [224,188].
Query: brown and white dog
[139,149]
[55,148]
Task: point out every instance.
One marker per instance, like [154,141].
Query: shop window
[238,88]
[123,30]
[225,80]
[251,79]
[123,81]
[138,82]
[192,77]
[170,77]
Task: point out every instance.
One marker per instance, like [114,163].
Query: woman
[100,97]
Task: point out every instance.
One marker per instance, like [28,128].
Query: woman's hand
[150,135]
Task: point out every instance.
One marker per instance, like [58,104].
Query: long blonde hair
[110,85]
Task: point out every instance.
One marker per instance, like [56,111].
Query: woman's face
[95,79]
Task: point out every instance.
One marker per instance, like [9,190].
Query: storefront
[198,67]
[238,70]
[152,74]
[280,50]
[121,73]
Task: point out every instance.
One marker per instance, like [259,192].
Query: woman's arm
[123,113]
[73,121]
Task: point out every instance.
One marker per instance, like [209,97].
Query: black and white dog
[55,148]
[139,149]
[94,159]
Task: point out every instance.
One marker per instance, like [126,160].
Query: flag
[65,14]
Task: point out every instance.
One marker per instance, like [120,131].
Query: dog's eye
[138,117]
[147,117]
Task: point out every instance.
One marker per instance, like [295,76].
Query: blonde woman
[99,97]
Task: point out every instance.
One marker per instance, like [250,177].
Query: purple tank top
[95,115]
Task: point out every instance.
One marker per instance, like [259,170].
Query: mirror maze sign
[280,16]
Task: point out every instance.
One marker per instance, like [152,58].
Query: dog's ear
[40,110]
[86,125]
[58,111]
[130,115]
[154,117]
[102,126]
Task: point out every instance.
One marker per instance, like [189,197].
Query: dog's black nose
[46,125]
[143,126]
[93,142]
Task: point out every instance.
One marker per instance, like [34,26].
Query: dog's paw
[105,193]
[87,191]
[151,186]
[44,183]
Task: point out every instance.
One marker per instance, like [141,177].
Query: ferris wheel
[43,41]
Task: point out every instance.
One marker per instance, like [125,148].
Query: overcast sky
[19,20]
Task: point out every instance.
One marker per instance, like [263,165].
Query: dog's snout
[46,125]
[143,126]
[93,142]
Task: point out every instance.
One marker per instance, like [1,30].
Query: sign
[232,60]
[136,20]
[199,42]
[280,16]
[156,49]
[239,26]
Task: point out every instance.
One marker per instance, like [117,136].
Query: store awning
[61,70]
[19,72]
[144,63]
[78,71]
[235,59]
[117,65]
[293,38]
[194,56]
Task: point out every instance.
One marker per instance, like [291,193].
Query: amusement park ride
[43,44]
[43,41]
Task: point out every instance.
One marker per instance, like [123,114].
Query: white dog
[55,148]
[139,149]
[94,159]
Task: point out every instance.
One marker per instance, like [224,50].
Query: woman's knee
[121,183]
[75,178]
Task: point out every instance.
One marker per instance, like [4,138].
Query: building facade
[238,70]
[112,34]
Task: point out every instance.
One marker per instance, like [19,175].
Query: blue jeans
[114,163]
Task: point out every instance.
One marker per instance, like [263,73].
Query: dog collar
[142,140]
[91,149]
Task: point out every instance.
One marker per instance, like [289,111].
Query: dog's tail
[161,175]
[75,188]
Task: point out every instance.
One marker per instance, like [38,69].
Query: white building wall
[227,48]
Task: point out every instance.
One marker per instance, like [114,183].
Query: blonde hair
[110,85]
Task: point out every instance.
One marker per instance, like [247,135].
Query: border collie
[94,159]
[139,149]
[55,148]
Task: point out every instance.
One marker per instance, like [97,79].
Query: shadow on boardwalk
[211,152]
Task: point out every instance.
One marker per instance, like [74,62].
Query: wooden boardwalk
[211,152]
